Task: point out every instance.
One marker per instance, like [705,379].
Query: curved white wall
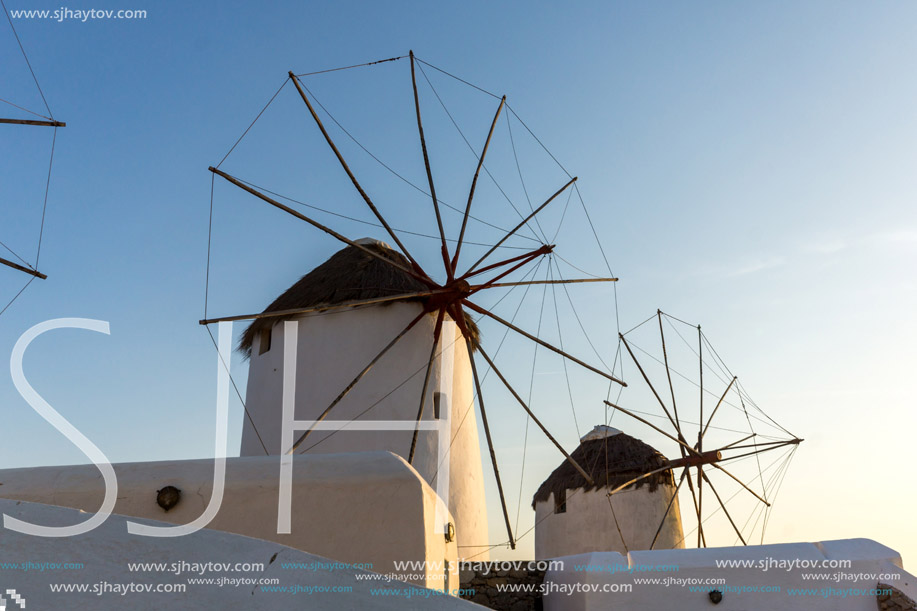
[360,507]
[588,525]
[109,549]
[333,348]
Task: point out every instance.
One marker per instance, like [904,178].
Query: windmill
[462,280]
[709,453]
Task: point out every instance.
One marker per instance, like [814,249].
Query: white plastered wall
[366,507]
[332,349]
[589,524]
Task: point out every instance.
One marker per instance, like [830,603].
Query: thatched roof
[625,457]
[349,275]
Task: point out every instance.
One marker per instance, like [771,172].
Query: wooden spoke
[23,268]
[541,342]
[741,483]
[520,225]
[702,539]
[490,443]
[655,428]
[637,479]
[418,274]
[492,285]
[726,511]
[700,359]
[474,182]
[700,420]
[539,252]
[356,379]
[700,497]
[32,122]
[353,178]
[763,444]
[502,263]
[718,403]
[325,307]
[648,383]
[426,381]
[689,448]
[426,163]
[778,445]
[534,418]
[699,502]
[669,507]
[668,374]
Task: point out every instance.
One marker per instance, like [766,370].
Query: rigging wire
[762,509]
[767,517]
[579,269]
[546,150]
[718,361]
[712,426]
[718,509]
[522,181]
[713,350]
[544,293]
[632,329]
[563,216]
[27,62]
[493,95]
[13,252]
[31,112]
[525,293]
[363,222]
[560,338]
[16,296]
[474,153]
[238,394]
[423,368]
[379,61]
[252,124]
[44,207]
[209,238]
[402,178]
[50,116]
[579,320]
[706,390]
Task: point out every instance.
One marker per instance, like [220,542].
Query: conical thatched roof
[349,275]
[611,461]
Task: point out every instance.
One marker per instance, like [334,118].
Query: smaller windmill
[707,455]
[632,502]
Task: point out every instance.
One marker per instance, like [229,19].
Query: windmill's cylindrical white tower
[572,517]
[334,346]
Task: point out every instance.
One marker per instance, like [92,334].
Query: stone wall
[485,578]
[896,601]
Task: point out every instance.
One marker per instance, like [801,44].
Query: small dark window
[560,501]
[265,343]
[437,401]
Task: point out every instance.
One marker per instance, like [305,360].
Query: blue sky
[748,167]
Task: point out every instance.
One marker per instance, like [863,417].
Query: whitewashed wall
[867,557]
[589,525]
[332,349]
[107,550]
[358,507]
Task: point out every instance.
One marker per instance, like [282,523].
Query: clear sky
[748,166]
